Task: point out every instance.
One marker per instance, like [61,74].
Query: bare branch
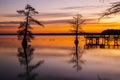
[21,11]
[77,22]
[37,22]
[114,9]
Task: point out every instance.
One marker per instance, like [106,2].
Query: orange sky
[64,28]
[56,17]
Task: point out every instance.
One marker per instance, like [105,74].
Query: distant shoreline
[45,34]
[105,32]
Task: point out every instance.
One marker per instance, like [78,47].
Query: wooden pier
[102,41]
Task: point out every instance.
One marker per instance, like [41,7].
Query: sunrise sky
[55,14]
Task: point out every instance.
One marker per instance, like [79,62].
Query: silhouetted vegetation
[111,32]
[114,9]
[24,31]
[26,51]
[76,24]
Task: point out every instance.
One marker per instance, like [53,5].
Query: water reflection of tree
[25,53]
[25,58]
[77,58]
[102,78]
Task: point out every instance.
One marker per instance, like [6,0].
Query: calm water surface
[52,58]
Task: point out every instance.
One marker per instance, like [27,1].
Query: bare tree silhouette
[76,24]
[24,31]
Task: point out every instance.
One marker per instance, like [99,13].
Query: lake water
[53,58]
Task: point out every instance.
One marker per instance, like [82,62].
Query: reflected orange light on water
[50,41]
[54,41]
